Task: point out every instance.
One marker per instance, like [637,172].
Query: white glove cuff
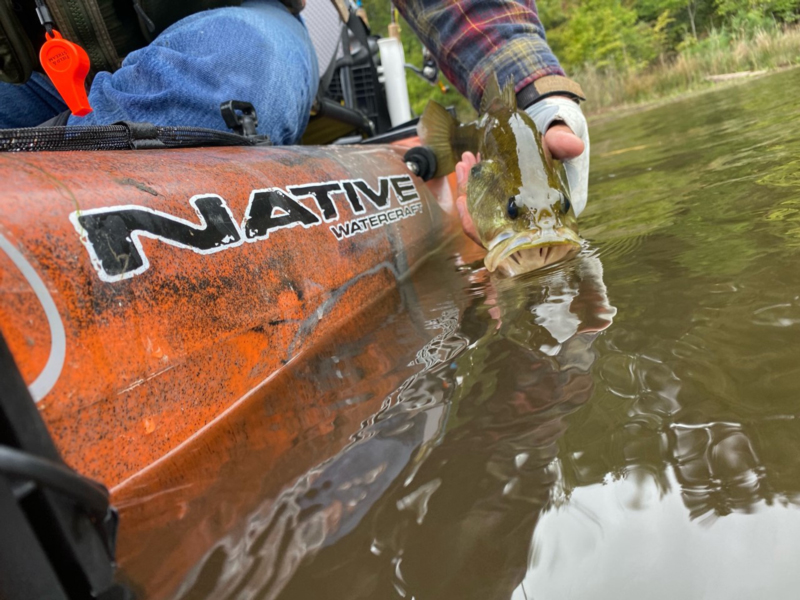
[554,108]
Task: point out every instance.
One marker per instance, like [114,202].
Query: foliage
[630,50]
[632,35]
[719,53]
[605,33]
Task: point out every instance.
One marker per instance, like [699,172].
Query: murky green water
[626,425]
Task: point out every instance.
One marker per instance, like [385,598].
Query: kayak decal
[385,217]
[321,193]
[112,235]
[273,209]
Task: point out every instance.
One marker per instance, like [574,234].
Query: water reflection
[438,494]
[628,539]
[681,477]
[498,439]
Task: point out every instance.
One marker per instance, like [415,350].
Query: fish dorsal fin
[492,93]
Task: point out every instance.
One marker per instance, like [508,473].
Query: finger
[462,173]
[562,143]
[468,159]
[466,220]
[463,167]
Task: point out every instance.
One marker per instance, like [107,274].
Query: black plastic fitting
[421,161]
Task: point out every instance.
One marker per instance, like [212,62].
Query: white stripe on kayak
[58,339]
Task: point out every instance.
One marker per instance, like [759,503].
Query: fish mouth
[530,250]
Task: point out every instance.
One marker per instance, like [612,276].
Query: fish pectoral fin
[437,129]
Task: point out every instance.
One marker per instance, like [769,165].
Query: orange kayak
[145,294]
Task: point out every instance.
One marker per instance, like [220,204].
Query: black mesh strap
[142,135]
[120,136]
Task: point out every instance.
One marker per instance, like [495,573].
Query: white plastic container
[394,73]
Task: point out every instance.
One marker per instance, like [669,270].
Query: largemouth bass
[515,195]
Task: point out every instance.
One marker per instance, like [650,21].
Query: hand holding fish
[515,201]
[559,139]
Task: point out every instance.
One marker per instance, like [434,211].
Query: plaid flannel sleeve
[471,39]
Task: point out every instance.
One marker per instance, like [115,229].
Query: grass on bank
[719,53]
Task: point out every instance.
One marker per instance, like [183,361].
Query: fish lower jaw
[523,256]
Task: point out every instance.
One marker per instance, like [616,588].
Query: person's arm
[472,39]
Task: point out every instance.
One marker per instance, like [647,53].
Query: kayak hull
[144,294]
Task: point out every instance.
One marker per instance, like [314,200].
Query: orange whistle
[67,65]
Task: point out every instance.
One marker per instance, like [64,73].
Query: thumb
[562,143]
[561,109]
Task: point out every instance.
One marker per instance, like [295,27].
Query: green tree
[751,14]
[605,33]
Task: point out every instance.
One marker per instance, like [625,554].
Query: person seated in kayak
[261,52]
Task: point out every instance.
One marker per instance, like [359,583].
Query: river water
[622,425]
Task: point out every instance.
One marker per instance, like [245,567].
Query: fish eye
[513,209]
[566,203]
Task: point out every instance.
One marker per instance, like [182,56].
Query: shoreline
[610,113]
